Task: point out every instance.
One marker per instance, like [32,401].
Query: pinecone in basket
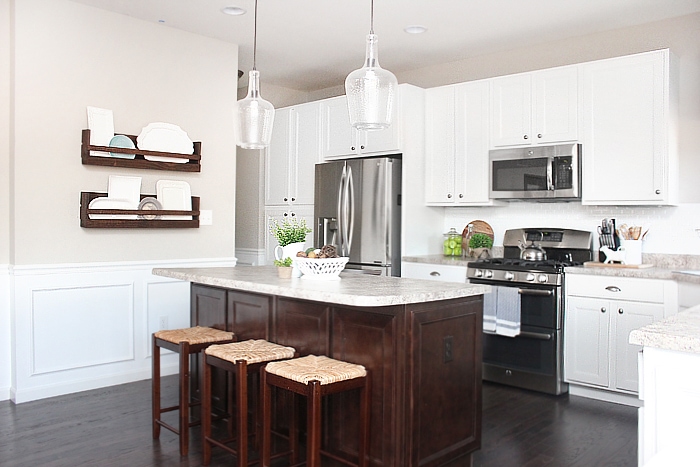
[328,251]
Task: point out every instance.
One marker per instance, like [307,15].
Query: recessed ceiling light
[233,10]
[416,29]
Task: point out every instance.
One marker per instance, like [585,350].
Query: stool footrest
[169,427]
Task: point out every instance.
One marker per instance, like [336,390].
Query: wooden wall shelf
[85,221]
[193,163]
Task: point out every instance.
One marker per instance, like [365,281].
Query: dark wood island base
[424,358]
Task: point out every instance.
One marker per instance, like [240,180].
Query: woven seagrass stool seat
[238,358]
[314,377]
[185,342]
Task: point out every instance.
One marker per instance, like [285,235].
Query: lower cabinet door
[586,341]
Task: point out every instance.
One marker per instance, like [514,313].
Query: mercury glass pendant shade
[371,91]
[253,117]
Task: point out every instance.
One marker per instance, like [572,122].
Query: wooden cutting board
[478,227]
[596,264]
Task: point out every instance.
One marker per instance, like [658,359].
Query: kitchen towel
[508,311]
[490,310]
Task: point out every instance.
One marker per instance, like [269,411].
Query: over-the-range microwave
[542,173]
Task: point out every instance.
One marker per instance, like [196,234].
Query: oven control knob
[508,276]
[530,277]
[542,278]
[488,274]
[478,273]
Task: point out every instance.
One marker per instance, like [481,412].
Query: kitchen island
[420,340]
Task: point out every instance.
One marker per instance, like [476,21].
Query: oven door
[531,360]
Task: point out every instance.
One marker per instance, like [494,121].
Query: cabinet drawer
[434,272]
[616,288]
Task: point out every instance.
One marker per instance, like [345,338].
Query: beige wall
[69,56]
[4,131]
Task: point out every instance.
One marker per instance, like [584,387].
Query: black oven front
[532,359]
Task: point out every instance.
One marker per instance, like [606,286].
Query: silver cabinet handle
[434,273]
[603,310]
[613,288]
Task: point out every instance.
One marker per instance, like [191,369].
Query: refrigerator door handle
[339,215]
[350,193]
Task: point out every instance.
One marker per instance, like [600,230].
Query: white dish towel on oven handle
[508,311]
[490,300]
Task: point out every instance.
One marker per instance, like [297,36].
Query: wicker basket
[321,268]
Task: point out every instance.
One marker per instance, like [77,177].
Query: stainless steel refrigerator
[357,208]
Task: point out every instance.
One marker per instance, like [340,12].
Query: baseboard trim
[55,390]
[5,394]
[604,395]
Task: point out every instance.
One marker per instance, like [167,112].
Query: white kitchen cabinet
[601,311]
[629,119]
[340,140]
[540,107]
[292,155]
[434,272]
[305,212]
[457,151]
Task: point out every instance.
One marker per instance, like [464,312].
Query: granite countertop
[679,332]
[352,289]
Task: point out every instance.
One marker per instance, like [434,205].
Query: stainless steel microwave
[536,173]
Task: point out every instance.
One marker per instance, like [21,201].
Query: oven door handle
[536,292]
[535,335]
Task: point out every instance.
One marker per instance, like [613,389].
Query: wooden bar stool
[314,377]
[185,342]
[238,358]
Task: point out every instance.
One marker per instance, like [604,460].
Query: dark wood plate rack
[85,221]
[193,163]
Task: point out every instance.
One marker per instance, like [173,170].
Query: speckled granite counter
[680,332]
[352,289]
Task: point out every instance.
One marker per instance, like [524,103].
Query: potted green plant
[479,244]
[284,267]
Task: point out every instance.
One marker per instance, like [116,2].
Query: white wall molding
[251,256]
[5,331]
[84,326]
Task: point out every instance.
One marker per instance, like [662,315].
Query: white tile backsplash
[672,229]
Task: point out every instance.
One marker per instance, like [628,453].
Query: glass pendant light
[253,115]
[371,90]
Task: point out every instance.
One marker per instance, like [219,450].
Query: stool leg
[294,426]
[242,404]
[206,410]
[365,401]
[313,437]
[184,397]
[266,421]
[155,388]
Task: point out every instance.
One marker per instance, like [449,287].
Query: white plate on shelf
[111,203]
[174,195]
[101,126]
[124,142]
[165,137]
[125,187]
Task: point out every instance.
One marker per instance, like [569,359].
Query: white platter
[165,137]
[174,195]
[101,125]
[111,203]
[126,188]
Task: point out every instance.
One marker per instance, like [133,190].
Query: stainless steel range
[531,355]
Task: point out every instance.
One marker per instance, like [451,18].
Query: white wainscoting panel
[5,332]
[85,326]
[250,256]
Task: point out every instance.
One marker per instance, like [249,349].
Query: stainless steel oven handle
[536,292]
[536,335]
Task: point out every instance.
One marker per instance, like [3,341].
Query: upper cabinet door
[277,164]
[555,105]
[337,134]
[440,145]
[511,110]
[306,152]
[629,156]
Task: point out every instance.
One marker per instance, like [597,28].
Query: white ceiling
[313,44]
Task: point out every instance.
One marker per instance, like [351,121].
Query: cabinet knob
[353,148]
[294,199]
[620,310]
[449,195]
[525,137]
[658,192]
[603,310]
[294,214]
[362,147]
[285,214]
[539,135]
[461,195]
[285,199]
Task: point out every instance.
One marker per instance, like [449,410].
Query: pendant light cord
[371,17]
[255,34]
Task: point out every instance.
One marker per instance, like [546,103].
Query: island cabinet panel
[444,381]
[371,337]
[250,314]
[303,325]
[208,307]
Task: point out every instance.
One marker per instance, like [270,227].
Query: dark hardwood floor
[111,427]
